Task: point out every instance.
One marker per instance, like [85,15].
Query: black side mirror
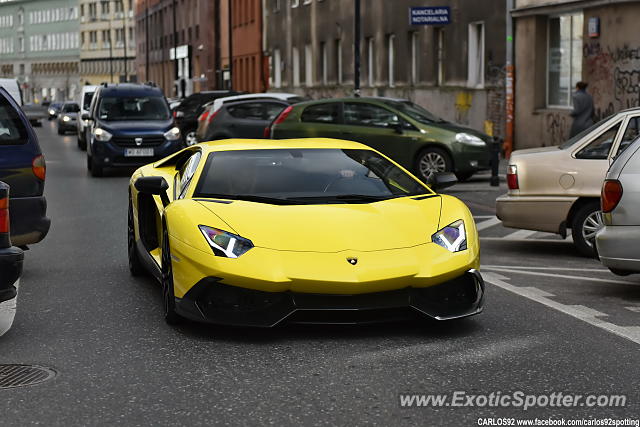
[441,180]
[397,127]
[155,185]
[85,116]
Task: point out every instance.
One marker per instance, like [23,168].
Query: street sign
[439,15]
[594,27]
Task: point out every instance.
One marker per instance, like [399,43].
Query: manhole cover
[22,375]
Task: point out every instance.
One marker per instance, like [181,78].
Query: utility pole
[230,24]
[110,45]
[146,40]
[509,83]
[356,49]
[124,37]
[175,50]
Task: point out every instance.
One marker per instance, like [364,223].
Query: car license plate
[138,152]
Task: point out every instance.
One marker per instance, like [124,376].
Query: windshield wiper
[345,198]
[250,198]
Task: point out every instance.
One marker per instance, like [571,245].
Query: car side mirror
[397,127]
[155,185]
[441,180]
[85,116]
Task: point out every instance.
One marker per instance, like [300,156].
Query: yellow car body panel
[306,249]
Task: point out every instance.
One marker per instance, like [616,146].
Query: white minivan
[13,87]
[85,101]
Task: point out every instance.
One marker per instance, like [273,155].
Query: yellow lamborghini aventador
[261,232]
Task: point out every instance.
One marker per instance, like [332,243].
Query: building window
[277,69]
[564,58]
[323,63]
[414,56]
[296,66]
[438,42]
[308,66]
[338,61]
[475,64]
[106,39]
[306,1]
[370,61]
[295,3]
[391,58]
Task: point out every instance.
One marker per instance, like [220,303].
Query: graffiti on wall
[613,74]
[557,128]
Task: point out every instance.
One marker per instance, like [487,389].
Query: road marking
[502,239]
[634,309]
[560,276]
[483,216]
[586,314]
[517,267]
[520,234]
[488,223]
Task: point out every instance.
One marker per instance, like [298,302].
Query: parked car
[11,259]
[35,113]
[263,232]
[12,86]
[54,109]
[188,111]
[404,131]
[242,119]
[86,95]
[618,241]
[68,117]
[556,188]
[22,167]
[211,107]
[130,125]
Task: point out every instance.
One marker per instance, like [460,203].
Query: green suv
[404,131]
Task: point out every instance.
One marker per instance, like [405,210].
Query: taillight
[203,116]
[175,114]
[211,116]
[39,167]
[512,177]
[283,116]
[267,132]
[611,194]
[4,215]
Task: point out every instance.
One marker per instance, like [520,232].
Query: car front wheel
[168,296]
[432,160]
[135,266]
[587,221]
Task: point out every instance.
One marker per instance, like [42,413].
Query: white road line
[561,276]
[634,309]
[579,312]
[483,216]
[517,267]
[488,223]
[520,234]
[502,239]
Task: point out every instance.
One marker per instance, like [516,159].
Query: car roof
[352,98]
[276,144]
[130,88]
[89,88]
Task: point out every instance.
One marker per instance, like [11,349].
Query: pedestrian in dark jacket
[582,109]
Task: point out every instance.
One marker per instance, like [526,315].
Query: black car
[243,119]
[130,125]
[23,168]
[54,109]
[68,117]
[11,259]
[187,113]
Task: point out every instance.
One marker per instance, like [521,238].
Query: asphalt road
[553,322]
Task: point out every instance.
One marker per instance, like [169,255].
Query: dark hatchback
[187,113]
[22,167]
[130,125]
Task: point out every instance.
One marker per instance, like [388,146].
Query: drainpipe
[509,83]
[356,49]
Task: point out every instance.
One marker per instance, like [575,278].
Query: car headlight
[172,134]
[468,139]
[101,135]
[66,118]
[452,237]
[52,111]
[225,244]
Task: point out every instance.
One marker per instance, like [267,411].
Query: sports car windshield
[118,108]
[305,176]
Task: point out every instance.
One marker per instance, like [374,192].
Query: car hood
[137,127]
[389,224]
[539,150]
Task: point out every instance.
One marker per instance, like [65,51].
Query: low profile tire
[586,223]
[135,266]
[432,160]
[190,138]
[168,296]
[60,131]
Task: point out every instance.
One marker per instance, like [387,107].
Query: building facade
[562,42]
[454,67]
[40,46]
[250,69]
[107,41]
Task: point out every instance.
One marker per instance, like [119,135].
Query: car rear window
[70,108]
[12,129]
[256,111]
[86,102]
[321,113]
